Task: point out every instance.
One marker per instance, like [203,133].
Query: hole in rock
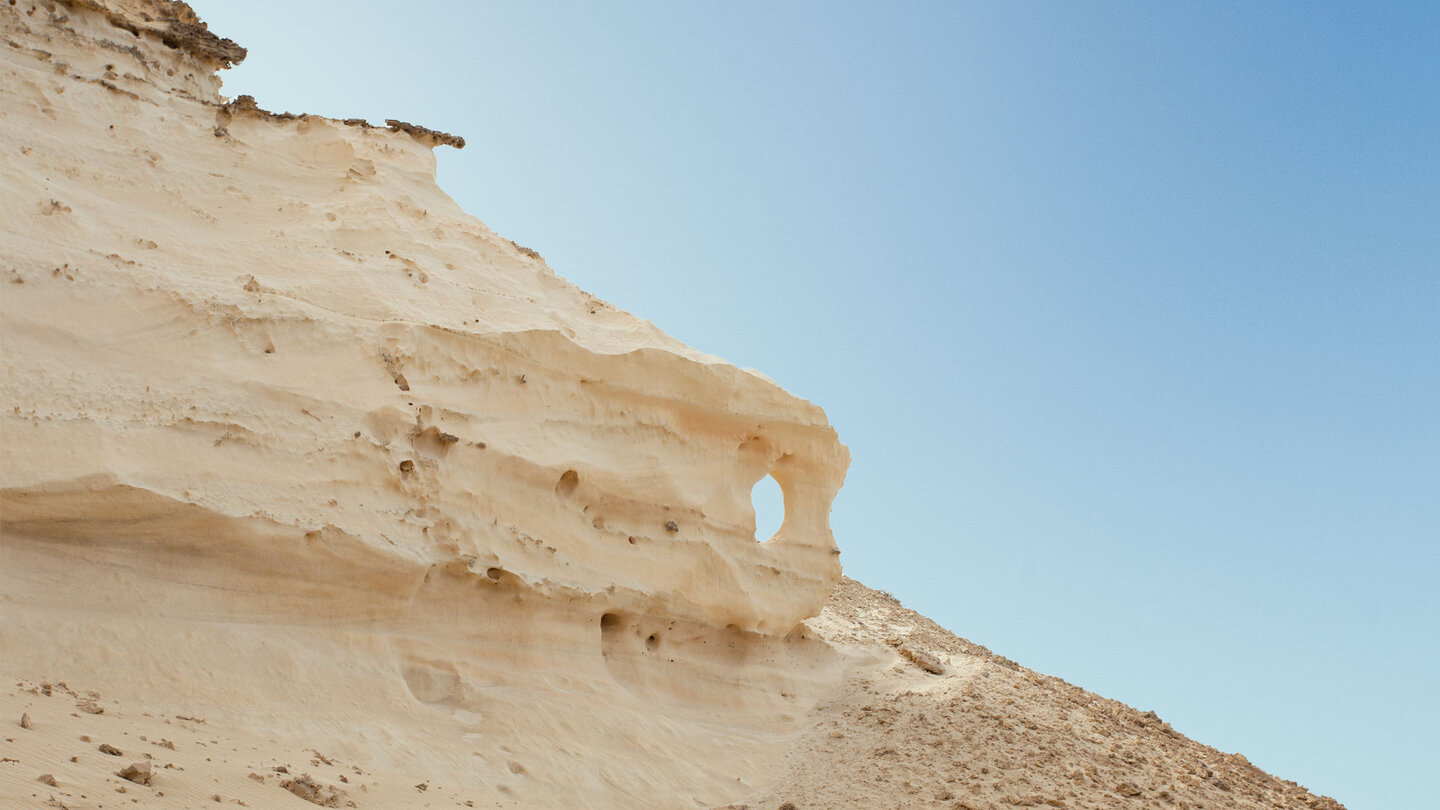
[494,573]
[609,620]
[568,482]
[769,504]
[652,642]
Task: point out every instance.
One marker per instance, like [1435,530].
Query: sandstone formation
[298,457]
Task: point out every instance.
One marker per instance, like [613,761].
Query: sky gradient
[1128,312]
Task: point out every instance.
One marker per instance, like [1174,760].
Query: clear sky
[1128,312]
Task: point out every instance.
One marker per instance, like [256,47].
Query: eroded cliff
[265,380]
[332,495]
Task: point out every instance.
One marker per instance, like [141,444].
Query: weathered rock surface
[299,455]
[277,411]
[290,323]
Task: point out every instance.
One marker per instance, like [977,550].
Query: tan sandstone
[298,457]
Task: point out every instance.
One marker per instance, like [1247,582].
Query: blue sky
[1129,312]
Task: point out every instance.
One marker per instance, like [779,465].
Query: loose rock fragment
[137,772]
[313,791]
[107,748]
[922,659]
[25,721]
[49,779]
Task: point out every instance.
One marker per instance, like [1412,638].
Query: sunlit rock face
[270,394]
[313,489]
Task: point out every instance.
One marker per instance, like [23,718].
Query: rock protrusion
[429,137]
[176,24]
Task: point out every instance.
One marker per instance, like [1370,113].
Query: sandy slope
[976,730]
[333,495]
[921,719]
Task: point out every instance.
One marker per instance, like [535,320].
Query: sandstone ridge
[299,457]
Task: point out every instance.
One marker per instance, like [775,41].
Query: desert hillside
[316,490]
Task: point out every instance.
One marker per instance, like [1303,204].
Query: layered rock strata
[278,411]
[315,490]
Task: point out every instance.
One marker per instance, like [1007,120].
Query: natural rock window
[769,503]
